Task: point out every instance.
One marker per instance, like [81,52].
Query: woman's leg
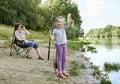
[37,51]
[29,44]
[39,55]
[28,52]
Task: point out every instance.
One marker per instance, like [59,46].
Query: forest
[106,32]
[39,16]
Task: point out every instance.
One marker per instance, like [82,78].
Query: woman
[20,33]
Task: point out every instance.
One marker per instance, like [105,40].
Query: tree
[39,16]
[108,32]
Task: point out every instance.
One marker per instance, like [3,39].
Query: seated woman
[20,32]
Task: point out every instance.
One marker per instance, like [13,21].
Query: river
[109,51]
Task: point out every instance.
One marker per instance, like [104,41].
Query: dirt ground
[18,70]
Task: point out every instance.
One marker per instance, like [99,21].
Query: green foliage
[96,42]
[74,69]
[91,48]
[106,32]
[83,45]
[7,43]
[104,81]
[36,15]
[73,33]
[83,66]
[6,33]
[99,75]
[103,76]
[24,11]
[111,67]
[38,35]
[40,16]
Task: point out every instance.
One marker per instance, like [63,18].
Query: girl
[59,33]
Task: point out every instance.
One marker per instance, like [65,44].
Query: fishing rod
[49,46]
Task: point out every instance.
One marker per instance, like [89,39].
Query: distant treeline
[108,31]
[39,16]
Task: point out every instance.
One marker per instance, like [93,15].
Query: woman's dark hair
[16,26]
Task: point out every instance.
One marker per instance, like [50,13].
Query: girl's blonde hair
[59,17]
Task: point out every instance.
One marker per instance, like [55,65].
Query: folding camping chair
[15,49]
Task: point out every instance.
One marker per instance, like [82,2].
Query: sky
[98,13]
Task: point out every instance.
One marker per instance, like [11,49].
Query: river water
[107,52]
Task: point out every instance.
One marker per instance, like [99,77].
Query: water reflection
[108,51]
[109,43]
[115,77]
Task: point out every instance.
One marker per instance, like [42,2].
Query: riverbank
[18,70]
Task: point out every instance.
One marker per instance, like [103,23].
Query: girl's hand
[50,32]
[69,25]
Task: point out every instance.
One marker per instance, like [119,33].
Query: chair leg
[12,49]
[16,50]
[22,52]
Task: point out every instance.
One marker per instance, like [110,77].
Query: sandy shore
[18,70]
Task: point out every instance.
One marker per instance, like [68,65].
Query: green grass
[5,26]
[50,79]
[6,33]
[38,35]
[83,66]
[83,45]
[74,70]
[77,44]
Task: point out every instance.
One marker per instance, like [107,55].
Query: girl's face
[59,23]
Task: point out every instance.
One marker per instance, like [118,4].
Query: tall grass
[103,75]
[78,44]
[111,67]
[83,45]
[41,35]
[74,70]
[104,81]
[6,33]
